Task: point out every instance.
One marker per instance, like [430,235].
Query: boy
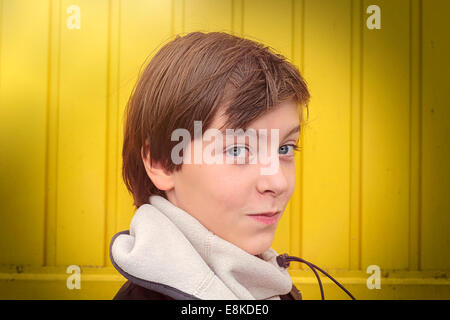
[208,206]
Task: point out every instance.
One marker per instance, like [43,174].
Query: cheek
[221,186]
[231,185]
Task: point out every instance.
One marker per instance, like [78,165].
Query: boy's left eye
[287,149]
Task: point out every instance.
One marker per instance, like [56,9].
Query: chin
[258,245]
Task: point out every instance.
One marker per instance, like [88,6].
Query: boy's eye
[288,149]
[236,151]
[238,154]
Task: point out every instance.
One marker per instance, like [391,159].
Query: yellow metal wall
[372,179]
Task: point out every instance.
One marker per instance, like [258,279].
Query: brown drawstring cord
[284,260]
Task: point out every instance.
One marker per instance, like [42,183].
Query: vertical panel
[206,15]
[296,202]
[52,133]
[82,142]
[436,136]
[385,150]
[258,25]
[23,97]
[112,153]
[355,137]
[415,101]
[327,136]
[144,27]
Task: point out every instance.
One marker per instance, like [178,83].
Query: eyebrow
[292,131]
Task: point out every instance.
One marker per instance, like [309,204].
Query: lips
[266,217]
[266,214]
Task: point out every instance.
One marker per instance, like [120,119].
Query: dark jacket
[131,291]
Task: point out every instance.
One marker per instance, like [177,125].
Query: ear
[159,176]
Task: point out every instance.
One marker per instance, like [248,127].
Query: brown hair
[188,79]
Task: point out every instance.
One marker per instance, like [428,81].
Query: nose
[275,183]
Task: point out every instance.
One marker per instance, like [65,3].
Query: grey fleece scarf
[167,246]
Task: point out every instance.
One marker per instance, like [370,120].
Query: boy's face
[225,197]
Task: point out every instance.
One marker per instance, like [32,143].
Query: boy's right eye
[235,151]
[238,153]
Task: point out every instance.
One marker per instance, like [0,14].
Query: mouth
[266,218]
